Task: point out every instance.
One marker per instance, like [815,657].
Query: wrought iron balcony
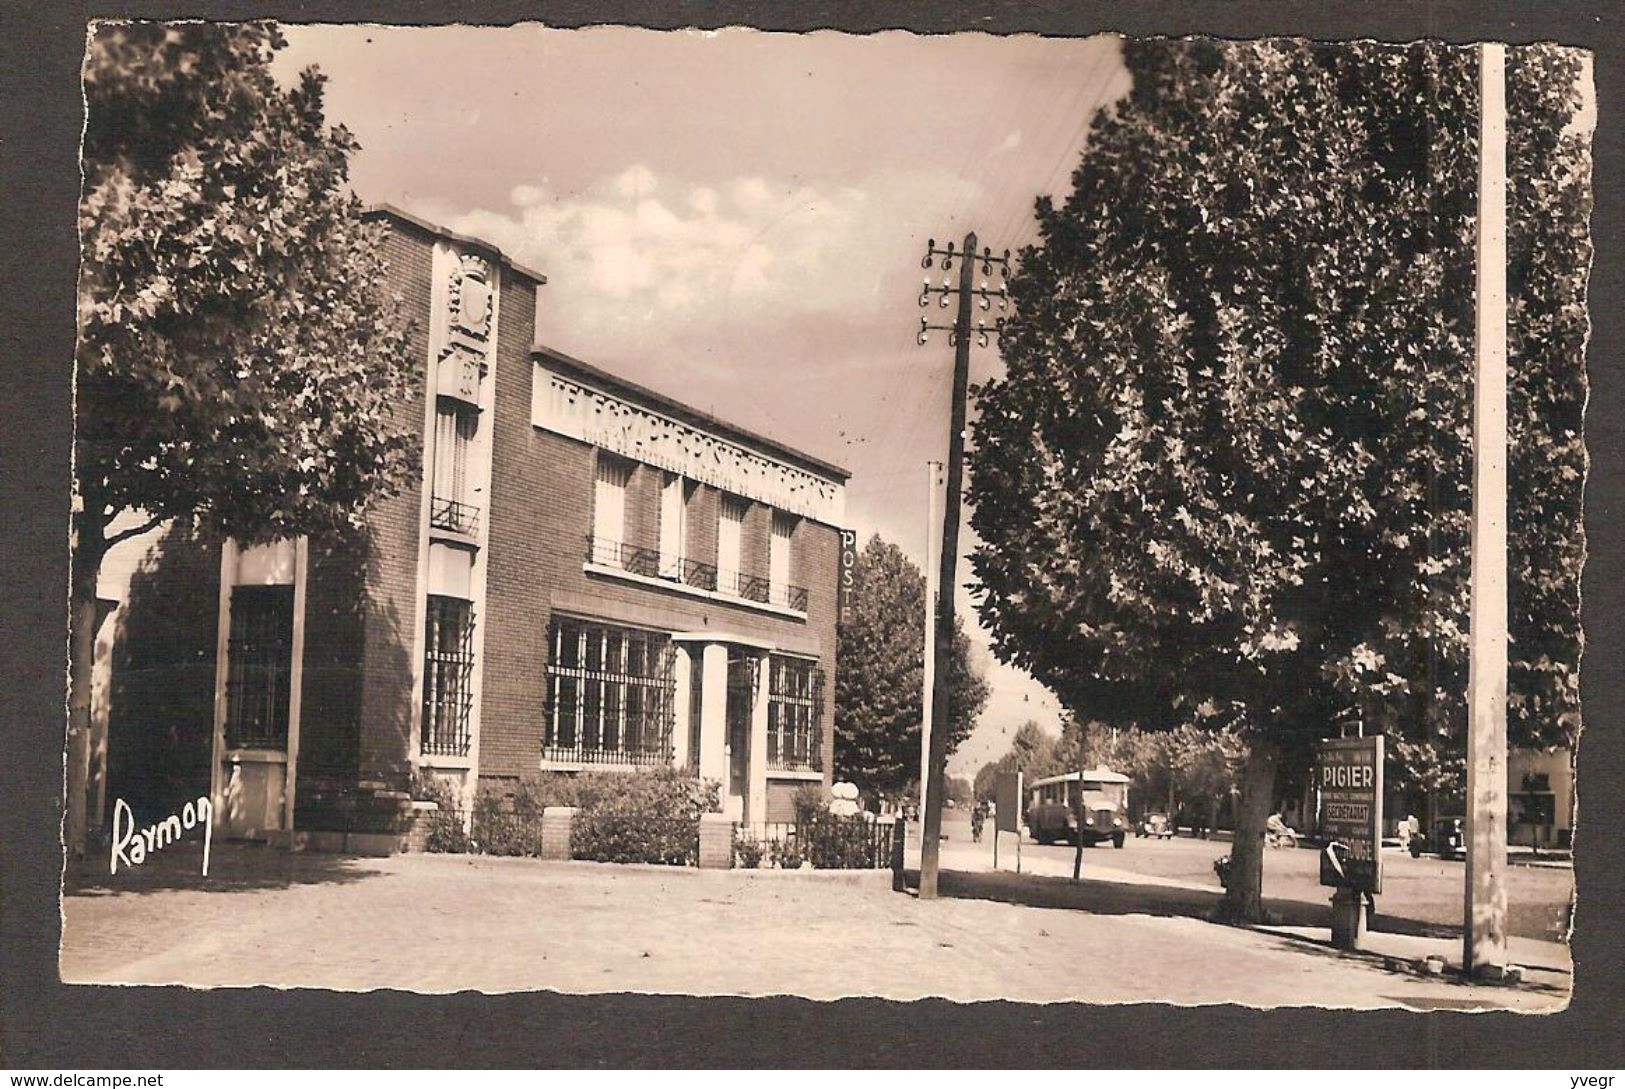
[454,516]
[791,597]
[700,575]
[650,563]
[629,558]
[749,587]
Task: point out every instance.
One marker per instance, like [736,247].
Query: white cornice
[567,406]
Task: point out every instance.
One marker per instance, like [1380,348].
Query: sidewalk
[440,923]
[968,871]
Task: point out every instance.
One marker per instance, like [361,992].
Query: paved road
[1423,891]
[445,922]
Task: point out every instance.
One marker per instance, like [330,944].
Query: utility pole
[1484,947]
[934,480]
[959,335]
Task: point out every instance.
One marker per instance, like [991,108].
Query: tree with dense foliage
[880,669]
[1225,480]
[240,362]
[1031,752]
[1186,766]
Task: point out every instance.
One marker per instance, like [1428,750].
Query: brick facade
[390,585]
[365,594]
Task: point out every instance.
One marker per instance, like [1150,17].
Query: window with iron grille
[259,667]
[794,711]
[610,694]
[448,676]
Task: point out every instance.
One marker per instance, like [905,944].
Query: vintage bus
[1056,810]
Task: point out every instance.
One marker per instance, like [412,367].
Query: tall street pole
[960,336]
[934,479]
[1484,926]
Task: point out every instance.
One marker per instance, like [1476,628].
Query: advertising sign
[1348,776]
[846,579]
[1007,800]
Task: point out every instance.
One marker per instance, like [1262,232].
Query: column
[714,714]
[296,678]
[222,647]
[756,790]
[682,740]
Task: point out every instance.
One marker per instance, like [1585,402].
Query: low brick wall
[716,842]
[417,835]
[556,821]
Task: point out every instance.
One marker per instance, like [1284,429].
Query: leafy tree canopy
[240,361]
[1164,766]
[1228,469]
[240,366]
[1226,477]
[881,667]
[1031,752]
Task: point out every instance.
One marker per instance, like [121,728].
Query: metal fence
[825,843]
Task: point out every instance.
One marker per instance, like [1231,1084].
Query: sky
[737,218]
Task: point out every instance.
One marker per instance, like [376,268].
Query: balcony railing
[629,558]
[791,597]
[454,516]
[749,587]
[649,563]
[702,576]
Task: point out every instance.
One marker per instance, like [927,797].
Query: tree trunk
[81,665]
[1244,899]
[1077,815]
[88,546]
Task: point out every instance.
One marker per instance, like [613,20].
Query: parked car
[1154,826]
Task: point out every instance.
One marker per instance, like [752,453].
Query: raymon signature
[133,845]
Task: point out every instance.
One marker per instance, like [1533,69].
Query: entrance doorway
[742,680]
[259,676]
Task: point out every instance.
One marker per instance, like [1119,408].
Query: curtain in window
[778,558]
[609,509]
[730,540]
[672,511]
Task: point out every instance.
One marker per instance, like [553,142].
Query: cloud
[526,195]
[638,258]
[635,181]
[703,199]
